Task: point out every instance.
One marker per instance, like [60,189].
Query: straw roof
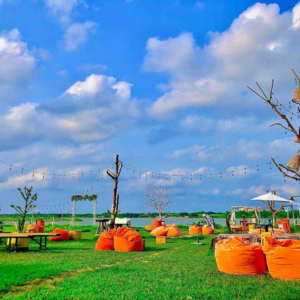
[293,163]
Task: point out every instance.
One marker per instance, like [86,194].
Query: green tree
[28,207]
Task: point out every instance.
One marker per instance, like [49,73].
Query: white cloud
[258,46]
[17,64]
[296,16]
[63,8]
[77,34]
[99,107]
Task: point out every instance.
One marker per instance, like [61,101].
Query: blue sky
[161,83]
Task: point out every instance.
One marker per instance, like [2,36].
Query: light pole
[62,215]
[32,214]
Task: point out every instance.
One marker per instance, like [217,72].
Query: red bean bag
[160,231]
[283,258]
[128,240]
[240,257]
[207,230]
[64,235]
[174,231]
[106,241]
[195,229]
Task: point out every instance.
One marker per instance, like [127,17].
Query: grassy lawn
[176,270]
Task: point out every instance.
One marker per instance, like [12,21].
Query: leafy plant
[29,206]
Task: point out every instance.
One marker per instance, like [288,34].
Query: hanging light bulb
[22,171]
[191,178]
[232,175]
[221,176]
[91,173]
[43,175]
[33,174]
[290,105]
[82,175]
[284,181]
[173,177]
[257,169]
[181,177]
[210,177]
[245,172]
[270,167]
[10,167]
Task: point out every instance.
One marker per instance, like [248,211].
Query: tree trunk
[159,216]
[115,198]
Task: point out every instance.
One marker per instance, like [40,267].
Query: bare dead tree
[157,198]
[115,198]
[286,170]
[28,207]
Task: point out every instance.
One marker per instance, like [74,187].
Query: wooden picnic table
[32,236]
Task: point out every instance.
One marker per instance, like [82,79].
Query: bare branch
[281,126]
[256,93]
[284,173]
[113,178]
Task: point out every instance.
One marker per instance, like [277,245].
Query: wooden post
[94,212]
[115,198]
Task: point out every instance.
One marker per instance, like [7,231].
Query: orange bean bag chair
[64,235]
[207,230]
[174,231]
[156,223]
[106,241]
[172,225]
[149,227]
[240,257]
[32,228]
[195,229]
[285,223]
[160,231]
[283,258]
[128,240]
[245,228]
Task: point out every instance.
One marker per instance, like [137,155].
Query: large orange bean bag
[32,228]
[283,258]
[160,231]
[237,256]
[106,241]
[195,229]
[149,227]
[286,224]
[128,240]
[64,235]
[207,230]
[174,231]
[172,225]
[156,223]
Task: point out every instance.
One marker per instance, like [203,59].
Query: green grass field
[176,270]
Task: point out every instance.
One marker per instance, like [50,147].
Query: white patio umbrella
[271,197]
[269,200]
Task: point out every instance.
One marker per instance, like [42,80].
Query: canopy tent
[255,209]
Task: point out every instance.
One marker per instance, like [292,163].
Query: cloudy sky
[161,83]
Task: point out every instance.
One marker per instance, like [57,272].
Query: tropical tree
[28,207]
